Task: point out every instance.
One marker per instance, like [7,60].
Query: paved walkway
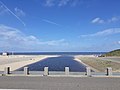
[59,83]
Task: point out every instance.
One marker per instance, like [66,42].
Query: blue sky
[59,25]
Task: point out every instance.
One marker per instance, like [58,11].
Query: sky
[59,25]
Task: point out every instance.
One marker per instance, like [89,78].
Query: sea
[66,59]
[55,53]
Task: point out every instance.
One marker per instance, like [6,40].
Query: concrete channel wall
[67,72]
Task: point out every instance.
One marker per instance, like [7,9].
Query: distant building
[5,53]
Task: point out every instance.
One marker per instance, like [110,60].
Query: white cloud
[56,43]
[118,42]
[75,3]
[49,3]
[63,2]
[101,21]
[14,38]
[104,32]
[114,19]
[98,20]
[50,22]
[12,13]
[19,12]
[60,3]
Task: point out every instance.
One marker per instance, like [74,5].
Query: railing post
[109,71]
[46,72]
[7,70]
[26,71]
[88,71]
[66,70]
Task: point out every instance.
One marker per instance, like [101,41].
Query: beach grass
[99,64]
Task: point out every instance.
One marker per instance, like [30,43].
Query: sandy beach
[18,61]
[99,64]
[87,65]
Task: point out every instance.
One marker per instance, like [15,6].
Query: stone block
[66,70]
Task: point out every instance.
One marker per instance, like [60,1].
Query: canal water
[57,64]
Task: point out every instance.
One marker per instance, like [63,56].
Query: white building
[5,53]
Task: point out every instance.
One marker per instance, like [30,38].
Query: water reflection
[57,64]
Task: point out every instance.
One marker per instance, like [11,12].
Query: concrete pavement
[59,83]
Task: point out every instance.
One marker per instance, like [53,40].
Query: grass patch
[112,53]
[99,64]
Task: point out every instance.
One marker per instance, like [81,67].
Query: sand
[99,64]
[18,61]
[80,61]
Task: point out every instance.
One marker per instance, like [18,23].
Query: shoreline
[18,61]
[80,61]
[100,64]
[18,64]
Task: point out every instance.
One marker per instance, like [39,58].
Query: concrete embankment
[77,59]
[16,62]
[99,63]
